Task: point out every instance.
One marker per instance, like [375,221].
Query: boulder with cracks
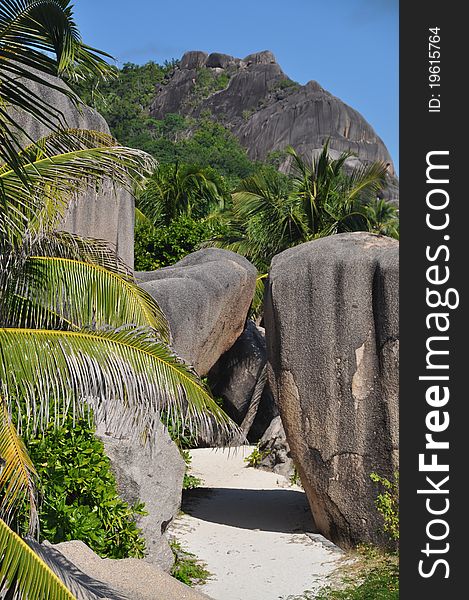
[332,332]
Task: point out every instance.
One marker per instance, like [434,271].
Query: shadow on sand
[281,511]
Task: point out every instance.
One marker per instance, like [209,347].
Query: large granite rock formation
[331,319]
[234,378]
[267,111]
[153,475]
[206,298]
[108,215]
[90,577]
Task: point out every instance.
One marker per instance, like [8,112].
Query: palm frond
[81,294]
[127,376]
[82,587]
[55,181]
[18,475]
[257,303]
[367,181]
[23,574]
[141,219]
[62,244]
[39,37]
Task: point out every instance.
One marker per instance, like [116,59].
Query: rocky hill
[266,110]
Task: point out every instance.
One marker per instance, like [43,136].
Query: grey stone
[275,449]
[264,57]
[267,113]
[107,215]
[220,61]
[331,317]
[153,475]
[91,577]
[194,59]
[234,378]
[206,298]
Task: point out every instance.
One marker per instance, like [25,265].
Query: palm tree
[74,327]
[176,189]
[332,196]
[324,198]
[383,218]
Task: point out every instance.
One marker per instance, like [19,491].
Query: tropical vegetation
[76,333]
[251,208]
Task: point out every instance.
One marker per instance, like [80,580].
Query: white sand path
[253,530]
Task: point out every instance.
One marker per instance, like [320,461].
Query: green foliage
[124,101]
[213,145]
[78,493]
[372,575]
[163,246]
[190,481]
[207,82]
[186,567]
[387,503]
[285,84]
[322,198]
[295,478]
[380,583]
[181,189]
[383,218]
[255,458]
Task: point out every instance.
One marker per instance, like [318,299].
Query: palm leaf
[82,294]
[39,37]
[57,180]
[126,375]
[18,475]
[80,585]
[62,244]
[23,574]
[257,303]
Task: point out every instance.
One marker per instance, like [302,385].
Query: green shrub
[380,583]
[190,481]
[295,478]
[186,567]
[78,493]
[387,503]
[207,82]
[163,246]
[254,459]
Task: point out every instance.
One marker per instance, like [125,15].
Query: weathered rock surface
[153,475]
[205,297]
[91,577]
[275,450]
[332,332]
[234,378]
[108,215]
[267,111]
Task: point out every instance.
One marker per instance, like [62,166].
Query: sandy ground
[253,530]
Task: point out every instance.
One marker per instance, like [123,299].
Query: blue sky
[349,46]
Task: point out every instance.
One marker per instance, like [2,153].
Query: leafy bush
[186,567]
[380,583]
[387,503]
[190,481]
[254,459]
[295,478]
[124,101]
[78,493]
[207,82]
[156,248]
